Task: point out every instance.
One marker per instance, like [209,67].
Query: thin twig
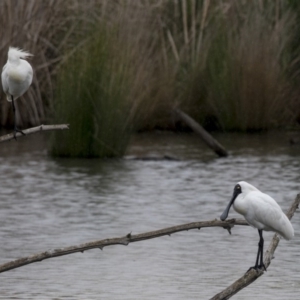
[28,131]
[252,275]
[125,240]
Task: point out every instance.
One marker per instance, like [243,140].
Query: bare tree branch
[129,238]
[28,131]
[252,275]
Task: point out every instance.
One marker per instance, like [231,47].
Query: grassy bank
[232,65]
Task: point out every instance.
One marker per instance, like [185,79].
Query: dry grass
[227,59]
[256,95]
[232,60]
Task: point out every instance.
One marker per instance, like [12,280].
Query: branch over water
[125,240]
[32,130]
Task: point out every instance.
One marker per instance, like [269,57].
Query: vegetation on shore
[111,67]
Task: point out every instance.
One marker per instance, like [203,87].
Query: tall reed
[91,96]
[253,91]
[103,89]
[234,60]
[231,61]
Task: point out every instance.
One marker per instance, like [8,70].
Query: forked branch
[32,130]
[129,238]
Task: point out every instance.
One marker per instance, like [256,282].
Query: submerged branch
[252,275]
[28,131]
[129,238]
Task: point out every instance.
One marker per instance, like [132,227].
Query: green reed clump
[91,96]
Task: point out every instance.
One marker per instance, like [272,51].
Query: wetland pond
[49,203]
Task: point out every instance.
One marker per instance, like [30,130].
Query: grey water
[48,203]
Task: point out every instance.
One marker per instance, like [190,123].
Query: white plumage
[16,74]
[16,77]
[261,211]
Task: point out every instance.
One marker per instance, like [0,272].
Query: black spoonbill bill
[16,78]
[262,212]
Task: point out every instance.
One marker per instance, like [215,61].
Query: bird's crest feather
[14,53]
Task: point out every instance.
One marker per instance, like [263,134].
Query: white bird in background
[16,78]
[262,212]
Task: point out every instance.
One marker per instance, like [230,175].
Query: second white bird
[16,78]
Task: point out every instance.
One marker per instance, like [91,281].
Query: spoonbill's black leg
[261,247]
[260,253]
[15,124]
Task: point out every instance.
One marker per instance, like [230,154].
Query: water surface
[48,203]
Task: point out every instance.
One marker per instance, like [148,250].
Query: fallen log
[205,136]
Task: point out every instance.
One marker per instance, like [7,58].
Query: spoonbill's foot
[262,267]
[256,268]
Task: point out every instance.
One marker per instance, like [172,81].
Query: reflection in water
[48,203]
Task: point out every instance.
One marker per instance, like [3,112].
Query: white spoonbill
[262,212]
[16,78]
